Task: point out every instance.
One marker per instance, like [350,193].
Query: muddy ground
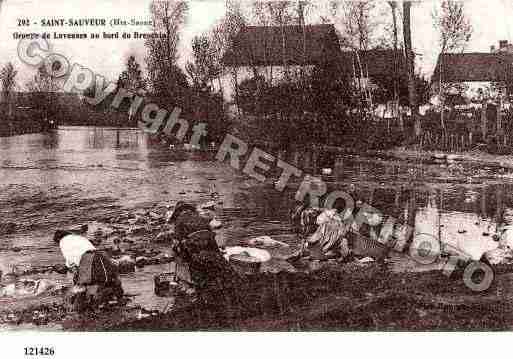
[336,297]
[347,298]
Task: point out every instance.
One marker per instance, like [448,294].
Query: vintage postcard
[255,166]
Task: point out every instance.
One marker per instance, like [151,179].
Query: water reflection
[464,206]
[79,174]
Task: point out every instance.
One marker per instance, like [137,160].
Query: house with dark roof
[269,50]
[375,63]
[474,67]
[291,45]
[294,45]
[477,70]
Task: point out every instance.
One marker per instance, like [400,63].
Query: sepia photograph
[255,166]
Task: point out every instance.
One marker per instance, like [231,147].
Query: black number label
[23,22]
[39,351]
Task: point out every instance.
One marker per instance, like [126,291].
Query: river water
[76,175]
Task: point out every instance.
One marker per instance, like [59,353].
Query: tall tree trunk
[303,65]
[393,6]
[221,90]
[484,119]
[499,214]
[9,99]
[411,214]
[236,85]
[499,130]
[442,102]
[411,67]
[440,209]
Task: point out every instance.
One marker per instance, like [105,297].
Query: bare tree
[410,62]
[223,36]
[165,77]
[218,48]
[454,32]
[357,22]
[131,78]
[8,77]
[234,21]
[388,25]
[43,88]
[453,26]
[393,8]
[283,14]
[358,27]
[202,69]
[274,13]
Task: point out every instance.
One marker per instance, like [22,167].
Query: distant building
[288,45]
[504,46]
[474,67]
[477,70]
[275,46]
[487,77]
[377,64]
[269,50]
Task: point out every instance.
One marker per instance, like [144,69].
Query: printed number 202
[23,22]
[39,351]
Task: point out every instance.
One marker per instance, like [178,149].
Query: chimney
[492,48]
[503,44]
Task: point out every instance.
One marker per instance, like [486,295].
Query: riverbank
[336,297]
[329,300]
[476,157]
[408,154]
[302,295]
[15,128]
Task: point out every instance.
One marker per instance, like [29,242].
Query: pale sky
[104,56]
[490,20]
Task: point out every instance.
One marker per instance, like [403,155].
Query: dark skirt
[207,267]
[96,269]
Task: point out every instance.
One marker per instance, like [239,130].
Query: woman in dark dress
[196,248]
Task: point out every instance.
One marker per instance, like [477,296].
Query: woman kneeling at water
[200,261]
[325,234]
[95,277]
